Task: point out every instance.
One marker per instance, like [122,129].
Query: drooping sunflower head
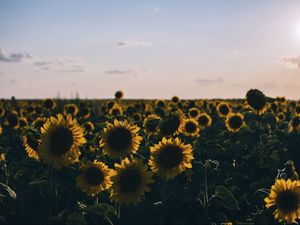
[171,124]
[120,138]
[285,197]
[234,122]
[151,124]
[130,181]
[191,127]
[194,112]
[31,141]
[170,157]
[223,109]
[94,178]
[204,120]
[12,120]
[61,139]
[71,109]
[256,100]
[49,103]
[119,95]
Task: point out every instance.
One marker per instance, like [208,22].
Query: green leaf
[7,192]
[76,218]
[224,198]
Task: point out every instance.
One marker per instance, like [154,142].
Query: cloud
[62,65]
[207,81]
[13,57]
[291,61]
[133,43]
[115,71]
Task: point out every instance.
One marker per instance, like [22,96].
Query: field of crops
[150,161]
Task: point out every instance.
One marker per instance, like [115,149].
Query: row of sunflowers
[150,162]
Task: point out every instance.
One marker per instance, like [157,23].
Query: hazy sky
[149,49]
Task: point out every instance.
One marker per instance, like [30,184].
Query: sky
[149,49]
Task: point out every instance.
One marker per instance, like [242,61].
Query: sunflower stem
[50,179]
[163,190]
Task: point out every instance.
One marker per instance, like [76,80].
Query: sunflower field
[215,162]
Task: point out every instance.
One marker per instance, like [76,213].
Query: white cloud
[291,61]
[13,57]
[133,43]
[62,65]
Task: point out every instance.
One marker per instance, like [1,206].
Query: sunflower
[223,109]
[116,110]
[120,139]
[49,103]
[119,95]
[171,124]
[256,100]
[234,122]
[71,109]
[151,124]
[2,111]
[191,127]
[12,120]
[294,124]
[61,138]
[94,178]
[23,122]
[175,99]
[31,142]
[88,126]
[285,197]
[281,116]
[39,122]
[194,112]
[204,120]
[1,130]
[130,181]
[170,157]
[85,112]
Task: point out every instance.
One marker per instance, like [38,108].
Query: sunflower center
[170,125]
[256,99]
[151,125]
[235,122]
[170,156]
[288,201]
[224,110]
[71,110]
[61,141]
[130,180]
[190,127]
[119,139]
[203,120]
[194,113]
[94,176]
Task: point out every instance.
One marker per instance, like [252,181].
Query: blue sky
[149,49]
